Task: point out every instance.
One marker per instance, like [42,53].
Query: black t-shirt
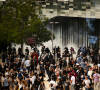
[36,83]
[64,72]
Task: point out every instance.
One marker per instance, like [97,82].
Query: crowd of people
[65,72]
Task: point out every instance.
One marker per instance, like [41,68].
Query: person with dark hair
[4,56]
[26,51]
[36,83]
[19,52]
[9,51]
[87,83]
[13,50]
[67,84]
[41,86]
[52,84]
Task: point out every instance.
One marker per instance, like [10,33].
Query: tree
[19,20]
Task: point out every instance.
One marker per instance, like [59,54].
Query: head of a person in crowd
[90,69]
[57,67]
[52,78]
[85,70]
[19,71]
[37,75]
[85,74]
[26,75]
[86,77]
[96,71]
[41,63]
[99,62]
[87,64]
[72,74]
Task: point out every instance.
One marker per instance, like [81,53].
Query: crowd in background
[65,72]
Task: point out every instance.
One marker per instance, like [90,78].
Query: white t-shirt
[52,82]
[98,65]
[33,79]
[87,82]
[23,60]
[20,86]
[73,79]
[90,73]
[6,73]
[27,63]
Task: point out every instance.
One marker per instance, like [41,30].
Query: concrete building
[78,22]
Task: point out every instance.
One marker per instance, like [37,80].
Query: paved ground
[46,82]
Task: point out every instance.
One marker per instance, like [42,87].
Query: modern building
[79,21]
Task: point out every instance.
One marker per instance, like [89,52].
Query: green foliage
[19,20]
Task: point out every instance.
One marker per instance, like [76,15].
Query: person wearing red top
[35,55]
[35,58]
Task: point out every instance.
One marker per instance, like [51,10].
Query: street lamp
[52,32]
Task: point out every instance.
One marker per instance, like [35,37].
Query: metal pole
[52,37]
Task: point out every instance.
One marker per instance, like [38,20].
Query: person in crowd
[19,52]
[72,81]
[27,51]
[32,72]
[27,64]
[87,83]
[42,86]
[52,84]
[67,84]
[96,77]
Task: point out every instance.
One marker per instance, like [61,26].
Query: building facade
[79,21]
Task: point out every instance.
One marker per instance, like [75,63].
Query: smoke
[93,39]
[90,24]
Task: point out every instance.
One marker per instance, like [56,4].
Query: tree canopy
[19,20]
